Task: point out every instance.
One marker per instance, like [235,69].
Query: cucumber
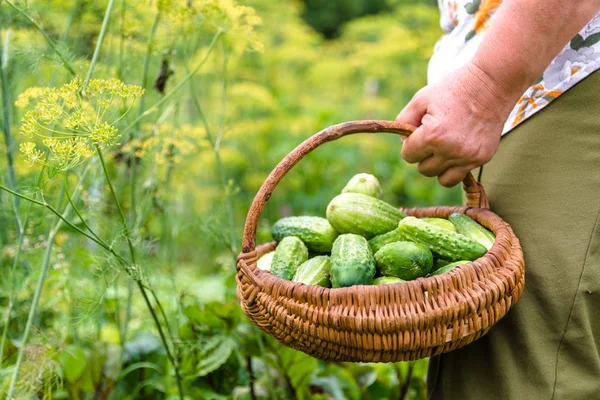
[265,261]
[365,184]
[316,232]
[352,261]
[404,260]
[471,229]
[384,280]
[444,244]
[437,264]
[379,241]
[448,267]
[441,222]
[362,215]
[289,255]
[314,272]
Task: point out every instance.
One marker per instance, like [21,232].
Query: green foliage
[225,97]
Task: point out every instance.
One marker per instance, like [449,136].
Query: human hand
[459,122]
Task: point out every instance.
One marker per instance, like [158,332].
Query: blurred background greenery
[194,151]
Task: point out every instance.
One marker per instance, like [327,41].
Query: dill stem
[177,87]
[8,137]
[13,271]
[99,43]
[49,40]
[36,299]
[133,165]
[139,283]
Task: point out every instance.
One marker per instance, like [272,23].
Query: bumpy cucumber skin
[444,244]
[404,260]
[289,255]
[362,215]
[447,268]
[385,280]
[379,241]
[352,261]
[314,272]
[465,225]
[364,183]
[265,261]
[441,222]
[316,232]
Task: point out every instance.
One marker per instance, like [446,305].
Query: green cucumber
[444,244]
[404,260]
[441,222]
[352,261]
[314,272]
[289,255]
[448,267]
[437,264]
[470,228]
[379,241]
[384,280]
[316,232]
[364,183]
[362,215]
[265,261]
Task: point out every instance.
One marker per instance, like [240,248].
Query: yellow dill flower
[72,119]
[104,135]
[31,153]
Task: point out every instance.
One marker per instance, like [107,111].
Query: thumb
[414,111]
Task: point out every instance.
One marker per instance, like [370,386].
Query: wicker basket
[384,323]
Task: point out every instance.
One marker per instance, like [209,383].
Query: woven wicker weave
[383,323]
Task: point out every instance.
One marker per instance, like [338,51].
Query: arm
[460,118]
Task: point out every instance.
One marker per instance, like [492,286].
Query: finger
[414,111]
[453,176]
[414,149]
[434,165]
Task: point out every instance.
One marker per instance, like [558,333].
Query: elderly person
[512,86]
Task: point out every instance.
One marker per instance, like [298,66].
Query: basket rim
[250,258]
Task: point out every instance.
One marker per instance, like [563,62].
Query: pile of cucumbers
[365,241]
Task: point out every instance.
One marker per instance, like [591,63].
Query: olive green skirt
[545,182]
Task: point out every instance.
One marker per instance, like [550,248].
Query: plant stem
[220,167]
[51,42]
[8,138]
[145,68]
[217,148]
[35,301]
[118,204]
[406,384]
[58,214]
[122,40]
[164,340]
[139,283]
[177,87]
[13,271]
[263,354]
[99,43]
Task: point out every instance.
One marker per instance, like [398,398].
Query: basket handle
[476,197]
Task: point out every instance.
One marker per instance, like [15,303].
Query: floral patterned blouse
[465,21]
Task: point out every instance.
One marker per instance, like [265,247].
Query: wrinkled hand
[459,122]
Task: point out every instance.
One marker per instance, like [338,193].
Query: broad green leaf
[204,319]
[215,354]
[73,362]
[136,366]
[299,369]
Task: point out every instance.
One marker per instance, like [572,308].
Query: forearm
[525,37]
